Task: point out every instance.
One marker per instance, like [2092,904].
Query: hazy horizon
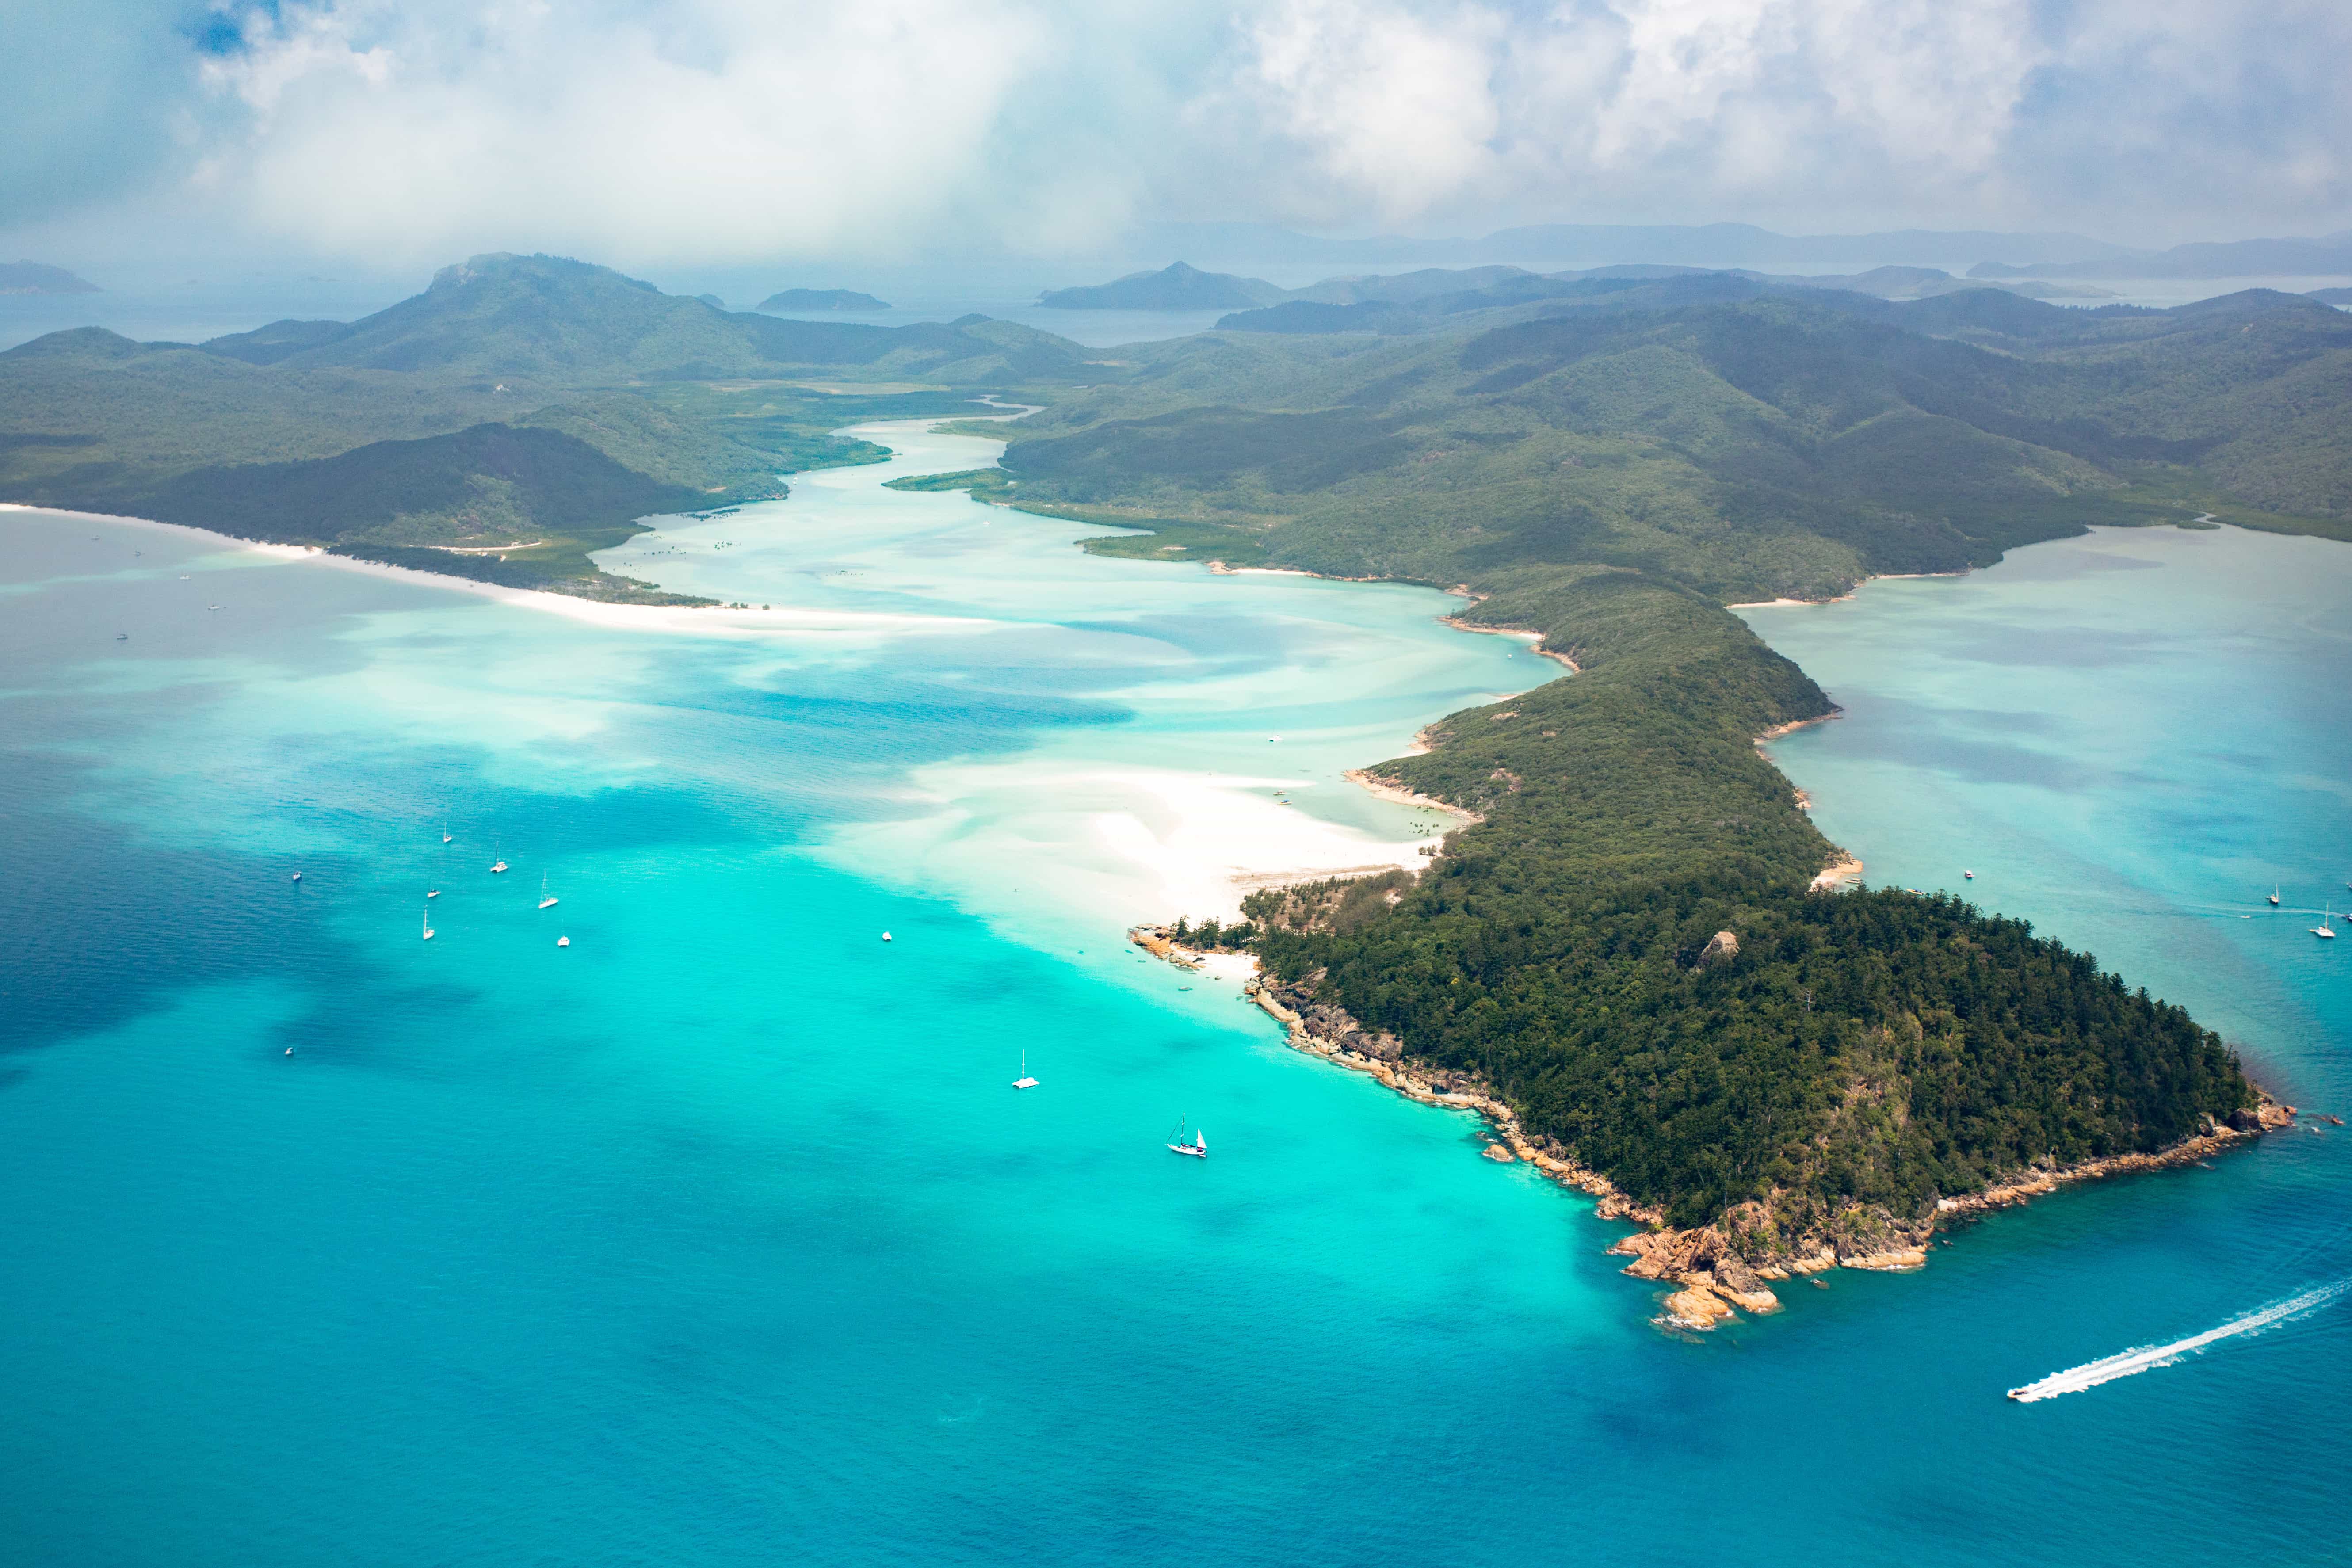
[700,138]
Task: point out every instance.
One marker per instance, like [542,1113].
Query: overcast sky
[721,132]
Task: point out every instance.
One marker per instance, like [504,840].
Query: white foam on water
[2146,1358]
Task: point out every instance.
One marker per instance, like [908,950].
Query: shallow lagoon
[719,1236]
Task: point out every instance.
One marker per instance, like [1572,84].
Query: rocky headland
[1721,1270]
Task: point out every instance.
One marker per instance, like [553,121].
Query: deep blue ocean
[718,1237]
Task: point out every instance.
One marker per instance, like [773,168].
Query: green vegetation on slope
[1609,479]
[1772,445]
[380,436]
[1859,1057]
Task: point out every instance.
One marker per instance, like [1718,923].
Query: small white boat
[1198,1148]
[1025,1080]
[563,942]
[434,894]
[1972,875]
[2326,929]
[496,867]
[428,925]
[546,899]
[886,936]
[297,876]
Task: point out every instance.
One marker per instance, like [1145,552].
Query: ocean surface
[719,1236]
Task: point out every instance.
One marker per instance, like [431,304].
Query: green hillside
[1778,445]
[617,401]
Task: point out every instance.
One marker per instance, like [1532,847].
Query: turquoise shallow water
[718,1237]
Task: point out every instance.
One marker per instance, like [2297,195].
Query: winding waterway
[719,1236]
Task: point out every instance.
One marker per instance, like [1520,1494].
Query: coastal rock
[1901,1261]
[1759,1300]
[1721,948]
[1696,1307]
[1500,1155]
[2245,1120]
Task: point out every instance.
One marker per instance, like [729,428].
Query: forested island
[38,278]
[1627,951]
[790,301]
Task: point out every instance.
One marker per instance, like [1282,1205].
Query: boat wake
[2125,1363]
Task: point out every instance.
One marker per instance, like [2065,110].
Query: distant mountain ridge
[2328,256]
[849,301]
[548,316]
[38,277]
[1176,286]
[1431,298]
[1554,246]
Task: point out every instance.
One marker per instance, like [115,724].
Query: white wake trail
[2125,1363]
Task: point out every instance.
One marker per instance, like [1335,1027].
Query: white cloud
[1376,112]
[734,130]
[727,130]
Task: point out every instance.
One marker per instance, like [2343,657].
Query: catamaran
[1198,1148]
[501,863]
[428,924]
[1025,1080]
[563,942]
[546,899]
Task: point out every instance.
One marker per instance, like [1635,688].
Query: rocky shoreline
[1715,1277]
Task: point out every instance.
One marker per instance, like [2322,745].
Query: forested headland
[1628,948]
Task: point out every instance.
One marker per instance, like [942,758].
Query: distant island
[846,300]
[35,278]
[1176,287]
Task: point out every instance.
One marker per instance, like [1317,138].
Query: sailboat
[546,899]
[2325,928]
[1025,1080]
[1198,1148]
[428,924]
[500,864]
[2273,898]
[434,894]
[445,833]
